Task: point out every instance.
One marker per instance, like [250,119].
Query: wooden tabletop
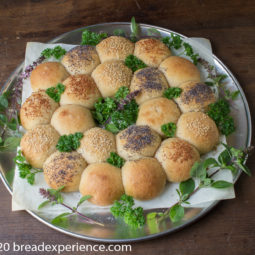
[230,25]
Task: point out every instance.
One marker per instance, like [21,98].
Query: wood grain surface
[230,25]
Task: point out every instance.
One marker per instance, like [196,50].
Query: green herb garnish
[172,92]
[169,129]
[116,160]
[190,53]
[55,92]
[121,93]
[57,52]
[173,41]
[92,38]
[218,81]
[26,171]
[153,32]
[219,112]
[115,114]
[67,143]
[134,30]
[53,197]
[119,32]
[134,63]
[230,159]
[124,209]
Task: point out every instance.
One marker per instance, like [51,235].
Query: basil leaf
[43,204]
[221,184]
[187,187]
[198,171]
[176,213]
[61,220]
[224,158]
[83,199]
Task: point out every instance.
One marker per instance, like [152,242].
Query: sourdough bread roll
[156,112]
[37,110]
[47,74]
[198,129]
[38,144]
[69,119]
[150,82]
[115,48]
[81,59]
[96,145]
[195,97]
[136,142]
[64,169]
[103,182]
[151,51]
[178,70]
[110,76]
[177,158]
[81,90]
[143,179]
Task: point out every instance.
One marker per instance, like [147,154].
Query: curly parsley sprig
[26,171]
[168,129]
[92,38]
[172,92]
[54,196]
[115,114]
[56,92]
[67,143]
[115,160]
[124,208]
[134,63]
[57,52]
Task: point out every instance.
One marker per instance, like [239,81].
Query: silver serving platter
[116,231]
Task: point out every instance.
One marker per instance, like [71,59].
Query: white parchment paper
[26,196]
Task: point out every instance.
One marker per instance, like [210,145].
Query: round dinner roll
[38,144]
[195,97]
[143,179]
[80,89]
[150,82]
[47,74]
[178,70]
[103,182]
[69,119]
[198,129]
[115,48]
[136,142]
[151,51]
[37,110]
[156,112]
[81,59]
[64,169]
[110,76]
[177,157]
[97,144]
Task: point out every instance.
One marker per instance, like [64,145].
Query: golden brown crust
[195,97]
[110,76]
[103,182]
[151,51]
[47,74]
[136,142]
[150,82]
[69,119]
[177,157]
[178,70]
[156,112]
[81,59]
[199,130]
[143,179]
[37,110]
[97,144]
[81,90]
[114,48]
[64,169]
[38,144]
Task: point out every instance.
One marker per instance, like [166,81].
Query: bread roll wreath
[118,116]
